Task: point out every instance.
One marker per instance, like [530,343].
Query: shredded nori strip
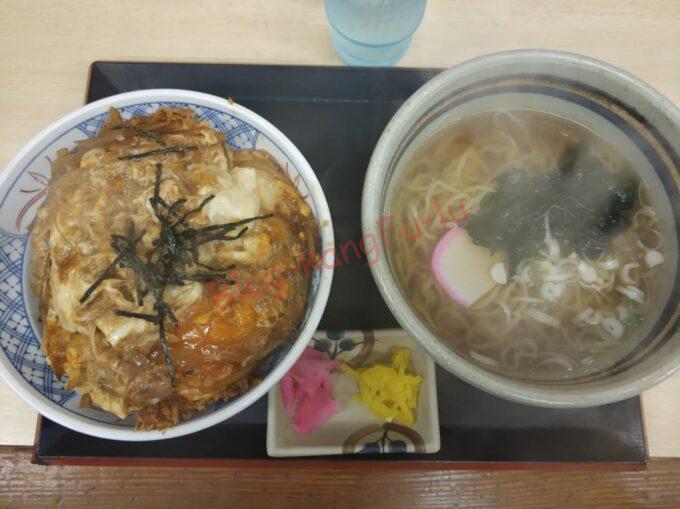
[105,275]
[142,316]
[164,150]
[175,249]
[166,349]
[182,219]
[141,131]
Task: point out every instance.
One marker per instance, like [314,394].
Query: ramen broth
[567,224]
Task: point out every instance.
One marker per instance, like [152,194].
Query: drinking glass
[373,32]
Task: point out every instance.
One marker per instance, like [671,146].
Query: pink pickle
[307,388]
[312,411]
[288,392]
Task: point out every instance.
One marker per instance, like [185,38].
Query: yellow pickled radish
[389,391]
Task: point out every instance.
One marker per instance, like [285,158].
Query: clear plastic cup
[373,32]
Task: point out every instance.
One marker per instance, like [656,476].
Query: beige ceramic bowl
[620,108]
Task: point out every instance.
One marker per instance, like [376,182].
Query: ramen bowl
[627,114]
[23,185]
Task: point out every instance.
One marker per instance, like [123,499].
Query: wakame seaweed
[175,249]
[586,206]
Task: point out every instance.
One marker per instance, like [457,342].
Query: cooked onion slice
[653,258]
[613,327]
[588,274]
[499,274]
[611,264]
[545,318]
[552,291]
[625,272]
[586,313]
[632,292]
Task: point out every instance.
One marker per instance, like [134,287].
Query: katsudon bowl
[23,186]
[508,196]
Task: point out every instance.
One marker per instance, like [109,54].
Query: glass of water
[373,32]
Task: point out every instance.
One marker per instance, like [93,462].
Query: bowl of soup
[527,205]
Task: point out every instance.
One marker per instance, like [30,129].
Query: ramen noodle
[563,218]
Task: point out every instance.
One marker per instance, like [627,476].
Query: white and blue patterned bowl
[23,184]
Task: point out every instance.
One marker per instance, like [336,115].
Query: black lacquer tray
[335,116]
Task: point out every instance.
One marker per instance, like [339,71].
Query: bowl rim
[94,428]
[372,212]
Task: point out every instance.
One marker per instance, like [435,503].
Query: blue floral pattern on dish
[384,444]
[389,437]
[335,343]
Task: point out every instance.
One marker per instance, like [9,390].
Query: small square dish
[354,429]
